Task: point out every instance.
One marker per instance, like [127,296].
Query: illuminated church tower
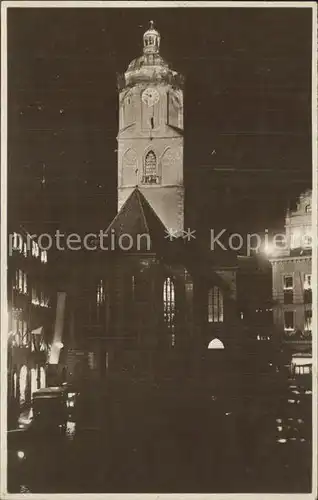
[150,137]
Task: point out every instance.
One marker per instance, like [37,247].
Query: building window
[17,242]
[150,169]
[23,379]
[288,282]
[100,293]
[169,304]
[35,249]
[215,305]
[34,381]
[308,321]
[21,281]
[42,377]
[307,282]
[288,296]
[308,209]
[44,256]
[307,241]
[289,321]
[308,296]
[15,385]
[24,327]
[92,360]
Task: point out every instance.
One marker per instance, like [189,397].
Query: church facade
[156,298]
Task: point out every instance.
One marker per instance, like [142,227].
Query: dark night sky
[247,96]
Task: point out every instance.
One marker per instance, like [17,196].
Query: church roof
[135,219]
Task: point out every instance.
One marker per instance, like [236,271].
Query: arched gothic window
[150,169]
[169,306]
[215,305]
[100,294]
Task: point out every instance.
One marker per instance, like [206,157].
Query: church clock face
[150,96]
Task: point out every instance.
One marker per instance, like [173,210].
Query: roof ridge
[142,208]
[119,212]
[152,210]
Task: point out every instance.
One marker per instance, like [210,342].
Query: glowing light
[70,429]
[301,360]
[23,383]
[279,428]
[281,440]
[216,344]
[268,248]
[33,380]
[20,454]
[42,377]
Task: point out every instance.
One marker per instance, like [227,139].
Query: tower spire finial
[151,40]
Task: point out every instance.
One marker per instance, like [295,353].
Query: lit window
[289,321]
[15,385]
[17,242]
[150,169]
[43,256]
[20,243]
[215,305]
[25,250]
[91,360]
[100,294]
[307,289]
[20,285]
[24,333]
[288,282]
[23,383]
[35,249]
[35,299]
[42,377]
[169,305]
[308,321]
[34,382]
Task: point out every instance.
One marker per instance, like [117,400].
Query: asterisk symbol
[188,234]
[172,233]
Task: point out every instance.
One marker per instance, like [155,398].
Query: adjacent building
[29,319]
[291,262]
[254,292]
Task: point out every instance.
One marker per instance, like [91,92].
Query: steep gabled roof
[137,218]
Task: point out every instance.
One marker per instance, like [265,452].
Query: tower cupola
[151,40]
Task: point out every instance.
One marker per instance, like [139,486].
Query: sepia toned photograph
[158,248]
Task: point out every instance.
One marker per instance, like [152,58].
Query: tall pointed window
[150,169]
[100,299]
[215,305]
[100,293]
[169,308]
